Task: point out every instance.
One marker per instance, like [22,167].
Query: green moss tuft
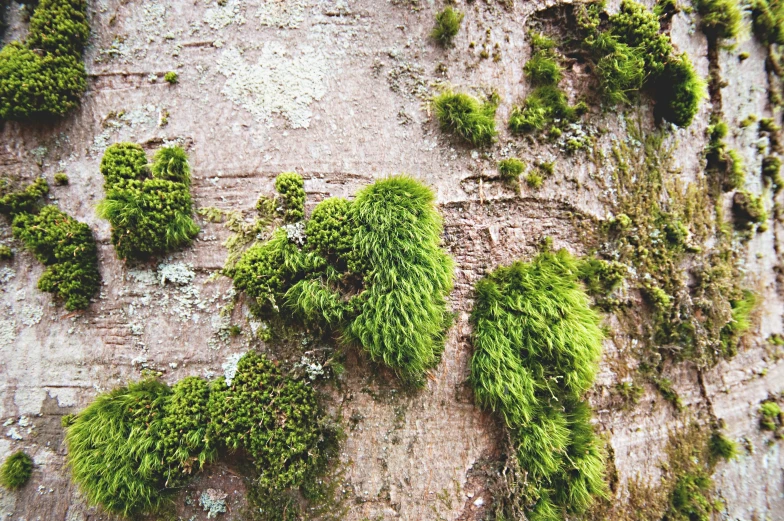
[721,447]
[44,76]
[290,186]
[61,179]
[749,211]
[771,172]
[510,170]
[543,69]
[536,348]
[16,470]
[541,109]
[720,18]
[771,416]
[27,200]
[149,207]
[6,253]
[768,21]
[467,117]
[171,78]
[447,26]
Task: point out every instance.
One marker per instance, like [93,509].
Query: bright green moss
[721,447]
[44,76]
[171,78]
[771,172]
[64,245]
[621,72]
[749,210]
[541,109]
[6,253]
[290,186]
[511,169]
[447,26]
[371,269]
[543,69]
[536,349]
[770,416]
[720,18]
[690,499]
[679,91]
[114,451]
[534,180]
[67,248]
[16,470]
[149,214]
[467,117]
[768,21]
[61,179]
[275,420]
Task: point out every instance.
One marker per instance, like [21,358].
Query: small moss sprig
[466,117]
[16,470]
[171,78]
[447,26]
[148,206]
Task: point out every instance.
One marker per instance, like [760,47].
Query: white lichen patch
[230,366]
[280,82]
[6,274]
[219,16]
[177,273]
[31,314]
[7,332]
[286,14]
[213,501]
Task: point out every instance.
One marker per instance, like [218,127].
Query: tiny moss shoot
[447,26]
[61,179]
[44,76]
[537,345]
[171,78]
[61,243]
[466,117]
[16,470]
[148,206]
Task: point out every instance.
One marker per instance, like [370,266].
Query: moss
[447,26]
[13,202]
[534,180]
[720,18]
[629,392]
[6,253]
[290,186]
[771,416]
[16,470]
[44,76]
[543,69]
[771,172]
[725,166]
[749,210]
[371,270]
[536,350]
[679,91]
[511,169]
[721,447]
[148,206]
[689,500]
[768,21]
[171,78]
[541,109]
[61,179]
[748,121]
[467,117]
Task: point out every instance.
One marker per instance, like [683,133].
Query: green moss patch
[61,243]
[44,76]
[724,166]
[133,447]
[537,345]
[720,18]
[371,270]
[16,470]
[467,117]
[768,21]
[148,206]
[447,25]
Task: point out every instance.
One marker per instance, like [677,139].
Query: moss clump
[6,253]
[171,78]
[542,108]
[447,26]
[721,447]
[725,166]
[771,172]
[61,179]
[16,470]
[768,21]
[536,349]
[510,170]
[749,211]
[272,418]
[720,18]
[630,54]
[467,117]
[148,206]
[534,180]
[63,244]
[44,76]
[771,416]
[543,68]
[371,270]
[291,189]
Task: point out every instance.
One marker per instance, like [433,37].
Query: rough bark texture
[336,91]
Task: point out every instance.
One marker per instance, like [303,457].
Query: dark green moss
[6,253]
[541,109]
[447,25]
[61,179]
[771,168]
[290,186]
[724,165]
[148,206]
[536,350]
[720,18]
[721,447]
[768,21]
[16,470]
[466,117]
[510,170]
[44,76]
[749,211]
[543,69]
[13,201]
